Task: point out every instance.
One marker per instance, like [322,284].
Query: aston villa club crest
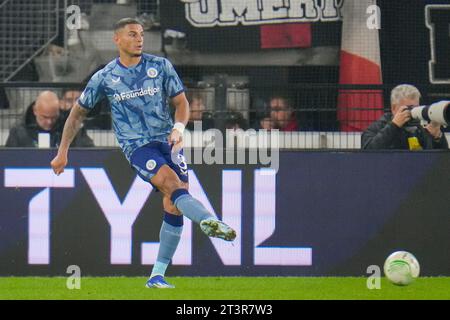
[150,164]
[152,73]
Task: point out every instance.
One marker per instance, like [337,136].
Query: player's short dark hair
[125,21]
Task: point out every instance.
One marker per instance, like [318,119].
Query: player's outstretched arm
[71,128]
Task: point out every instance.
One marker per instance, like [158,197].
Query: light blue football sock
[169,237]
[189,206]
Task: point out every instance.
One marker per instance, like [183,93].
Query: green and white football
[401,268]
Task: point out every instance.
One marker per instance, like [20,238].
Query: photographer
[395,131]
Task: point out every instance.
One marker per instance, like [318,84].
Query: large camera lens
[438,112]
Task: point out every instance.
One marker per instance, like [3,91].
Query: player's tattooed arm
[71,128]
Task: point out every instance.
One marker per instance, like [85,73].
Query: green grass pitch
[223,288]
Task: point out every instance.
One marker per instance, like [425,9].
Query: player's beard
[135,55]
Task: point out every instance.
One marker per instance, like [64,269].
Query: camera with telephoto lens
[438,112]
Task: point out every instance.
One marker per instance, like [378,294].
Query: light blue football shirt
[138,96]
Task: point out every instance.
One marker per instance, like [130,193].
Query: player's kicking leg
[167,181]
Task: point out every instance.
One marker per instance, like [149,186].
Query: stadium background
[371,203]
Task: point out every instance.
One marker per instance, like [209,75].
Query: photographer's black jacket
[383,134]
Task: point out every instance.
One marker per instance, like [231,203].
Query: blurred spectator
[197,112]
[235,120]
[196,107]
[43,116]
[69,98]
[282,115]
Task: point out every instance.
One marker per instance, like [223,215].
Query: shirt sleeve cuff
[83,105]
[177,93]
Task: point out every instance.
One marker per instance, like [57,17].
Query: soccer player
[138,86]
